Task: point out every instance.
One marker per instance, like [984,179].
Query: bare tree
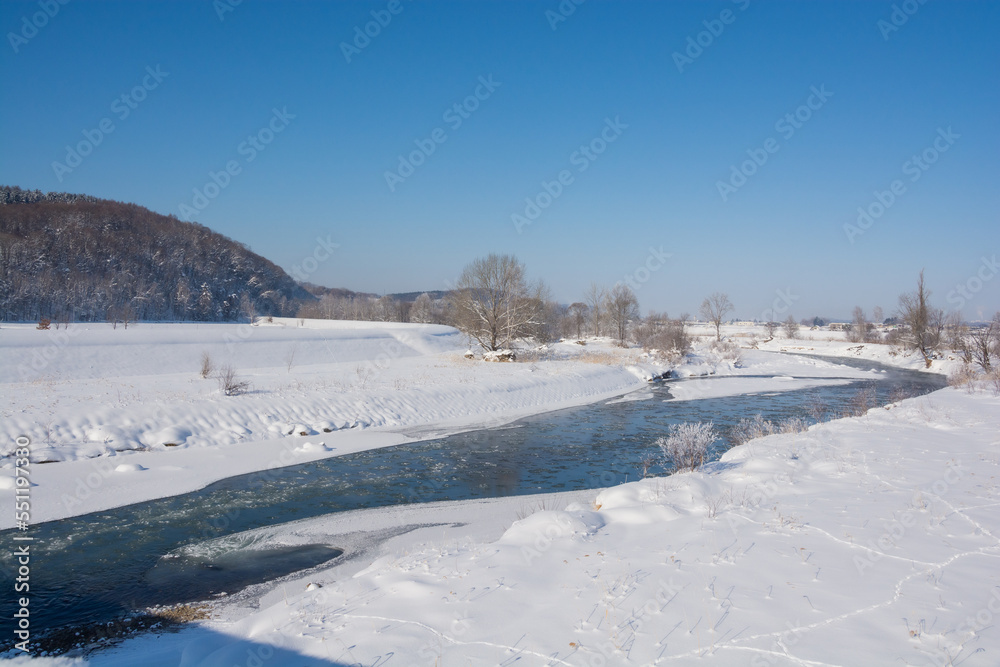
[595,296]
[861,330]
[922,324]
[714,310]
[578,314]
[494,304]
[982,343]
[770,328]
[661,333]
[622,307]
[247,307]
[421,311]
[791,327]
[877,315]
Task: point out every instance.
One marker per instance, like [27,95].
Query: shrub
[686,444]
[229,383]
[963,377]
[861,402]
[207,365]
[751,428]
[728,351]
[993,377]
[44,323]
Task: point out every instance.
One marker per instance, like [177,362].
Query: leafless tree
[714,310]
[578,315]
[982,343]
[770,328]
[421,311]
[494,303]
[247,307]
[877,315]
[661,333]
[861,331]
[622,307]
[595,296]
[922,324]
[791,327]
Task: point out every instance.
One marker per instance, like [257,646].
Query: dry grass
[230,383]
[964,377]
[182,613]
[207,365]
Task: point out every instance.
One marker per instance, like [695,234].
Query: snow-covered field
[866,541]
[118,416]
[124,415]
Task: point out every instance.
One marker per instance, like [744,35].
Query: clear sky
[668,100]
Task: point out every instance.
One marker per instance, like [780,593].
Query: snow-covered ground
[118,416]
[866,541]
[122,416]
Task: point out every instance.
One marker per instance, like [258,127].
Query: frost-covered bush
[686,444]
[727,350]
[750,428]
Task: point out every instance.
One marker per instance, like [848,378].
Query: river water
[107,564]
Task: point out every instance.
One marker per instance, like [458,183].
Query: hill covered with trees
[75,257]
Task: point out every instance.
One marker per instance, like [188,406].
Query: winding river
[107,564]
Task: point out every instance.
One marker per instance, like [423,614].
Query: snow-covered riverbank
[865,541]
[121,416]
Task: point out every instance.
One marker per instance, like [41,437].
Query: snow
[111,397]
[865,541]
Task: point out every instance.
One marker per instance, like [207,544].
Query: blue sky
[214,83]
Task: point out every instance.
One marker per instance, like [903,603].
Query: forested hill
[77,257]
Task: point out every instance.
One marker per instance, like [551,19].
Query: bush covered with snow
[686,444]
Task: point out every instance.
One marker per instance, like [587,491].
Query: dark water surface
[103,565]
